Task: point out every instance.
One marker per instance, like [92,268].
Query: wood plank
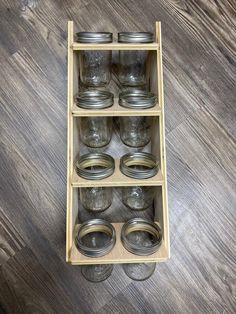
[130,300]
[115,111]
[10,240]
[165,212]
[28,280]
[70,157]
[115,46]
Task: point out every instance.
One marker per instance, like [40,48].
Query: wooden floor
[199,39]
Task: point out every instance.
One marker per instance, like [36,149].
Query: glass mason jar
[138,165]
[95,132]
[139,271]
[136,131]
[94,65]
[97,273]
[95,238]
[133,63]
[95,166]
[141,236]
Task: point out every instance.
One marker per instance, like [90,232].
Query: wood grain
[10,240]
[199,75]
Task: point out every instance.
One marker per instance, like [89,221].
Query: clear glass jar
[95,237]
[141,236]
[97,273]
[95,132]
[133,63]
[138,197]
[138,165]
[139,271]
[95,65]
[96,199]
[136,131]
[95,166]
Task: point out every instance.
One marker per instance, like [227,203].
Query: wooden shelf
[157,147]
[118,254]
[115,111]
[117,179]
[115,46]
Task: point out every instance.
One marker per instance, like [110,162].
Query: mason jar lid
[95,166]
[94,99]
[98,226]
[137,99]
[134,245]
[140,165]
[94,37]
[135,37]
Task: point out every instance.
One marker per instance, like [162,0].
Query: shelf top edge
[121,261]
[116,111]
[115,46]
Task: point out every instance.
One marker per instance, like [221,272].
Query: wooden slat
[117,179]
[118,254]
[162,138]
[69,140]
[116,110]
[115,46]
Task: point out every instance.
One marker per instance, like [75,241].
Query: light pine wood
[116,111]
[154,66]
[70,85]
[118,254]
[165,217]
[115,46]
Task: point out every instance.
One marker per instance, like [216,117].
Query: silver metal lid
[98,226]
[134,245]
[95,166]
[94,99]
[94,37]
[135,37]
[137,99]
[139,165]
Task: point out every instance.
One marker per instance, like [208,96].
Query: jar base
[139,271]
[135,146]
[96,273]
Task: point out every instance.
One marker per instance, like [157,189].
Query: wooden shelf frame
[118,254]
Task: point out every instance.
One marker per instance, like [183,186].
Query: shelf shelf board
[115,110]
[118,254]
[115,46]
[117,179]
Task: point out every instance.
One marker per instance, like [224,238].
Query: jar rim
[135,37]
[139,158]
[95,225]
[95,159]
[94,99]
[94,37]
[137,99]
[141,224]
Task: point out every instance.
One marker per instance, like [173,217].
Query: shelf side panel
[70,83]
[162,137]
